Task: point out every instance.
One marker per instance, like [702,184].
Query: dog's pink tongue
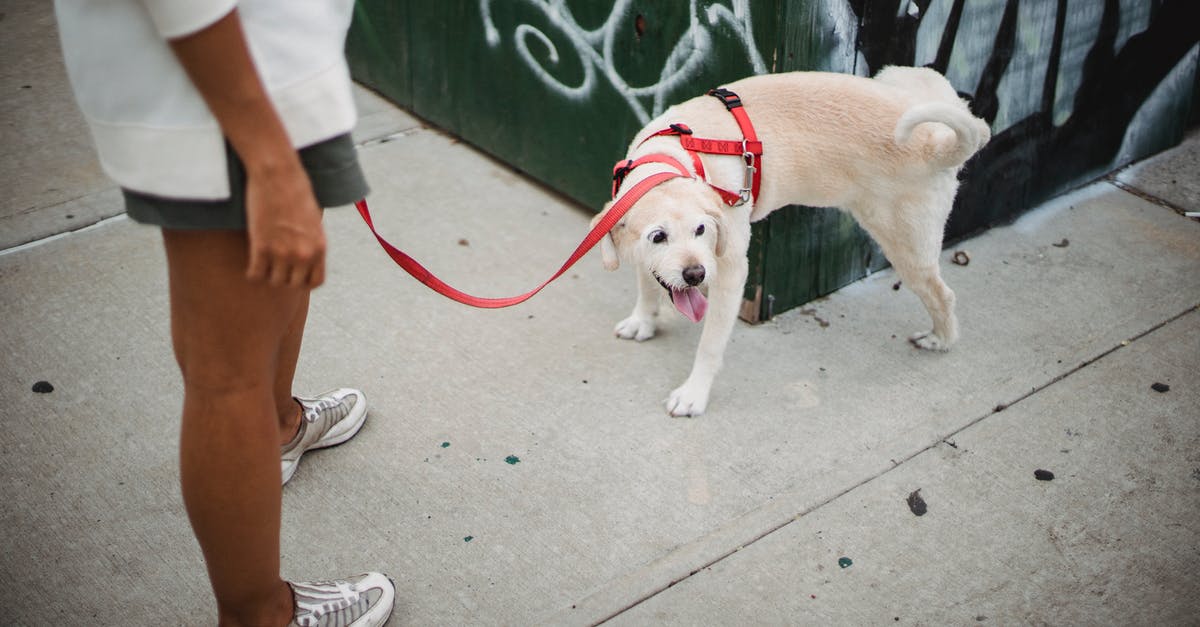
[690,302]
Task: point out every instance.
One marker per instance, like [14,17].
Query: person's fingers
[316,266]
[279,274]
[256,269]
[298,276]
[317,276]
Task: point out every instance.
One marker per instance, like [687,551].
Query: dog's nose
[693,275]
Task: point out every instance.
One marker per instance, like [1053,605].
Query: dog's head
[675,233]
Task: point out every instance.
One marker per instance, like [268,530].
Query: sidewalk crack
[1144,195]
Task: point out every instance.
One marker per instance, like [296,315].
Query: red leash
[750,149]
[615,213]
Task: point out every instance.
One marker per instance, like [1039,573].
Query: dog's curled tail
[971,132]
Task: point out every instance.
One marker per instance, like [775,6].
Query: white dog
[887,150]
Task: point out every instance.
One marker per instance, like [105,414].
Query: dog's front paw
[929,341]
[688,400]
[635,328]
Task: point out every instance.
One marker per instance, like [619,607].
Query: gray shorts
[332,167]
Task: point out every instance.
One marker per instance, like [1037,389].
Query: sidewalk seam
[366,143]
[50,238]
[383,139]
[1144,195]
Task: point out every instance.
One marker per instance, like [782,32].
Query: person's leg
[289,353]
[228,336]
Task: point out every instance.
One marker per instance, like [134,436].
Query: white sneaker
[361,601]
[327,420]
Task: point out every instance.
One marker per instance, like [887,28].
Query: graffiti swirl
[594,49]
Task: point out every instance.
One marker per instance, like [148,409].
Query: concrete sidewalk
[518,466]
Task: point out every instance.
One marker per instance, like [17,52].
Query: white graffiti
[594,48]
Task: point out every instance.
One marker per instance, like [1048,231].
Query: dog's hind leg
[640,324]
[911,239]
[926,282]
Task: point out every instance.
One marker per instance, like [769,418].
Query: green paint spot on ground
[845,562]
[445,445]
[512,459]
[468,538]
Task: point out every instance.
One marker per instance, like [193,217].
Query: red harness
[750,149]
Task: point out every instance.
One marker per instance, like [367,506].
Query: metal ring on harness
[744,194]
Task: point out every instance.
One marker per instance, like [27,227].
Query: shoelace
[352,604]
[313,412]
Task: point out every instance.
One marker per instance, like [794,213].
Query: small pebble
[1160,387]
[845,562]
[1043,475]
[43,387]
[512,460]
[917,504]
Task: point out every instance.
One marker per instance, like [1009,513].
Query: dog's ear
[717,213]
[608,249]
[608,253]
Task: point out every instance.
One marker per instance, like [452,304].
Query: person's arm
[283,221]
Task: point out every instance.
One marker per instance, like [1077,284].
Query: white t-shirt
[152,129]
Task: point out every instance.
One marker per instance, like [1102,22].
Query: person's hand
[283,222]
[283,225]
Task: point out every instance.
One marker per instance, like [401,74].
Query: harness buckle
[728,98]
[682,129]
[620,171]
[744,194]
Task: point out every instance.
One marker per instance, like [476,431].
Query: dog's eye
[700,230]
[658,237]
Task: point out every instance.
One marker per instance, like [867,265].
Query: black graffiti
[1035,158]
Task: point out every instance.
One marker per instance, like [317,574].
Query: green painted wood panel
[801,253]
[378,48]
[557,91]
